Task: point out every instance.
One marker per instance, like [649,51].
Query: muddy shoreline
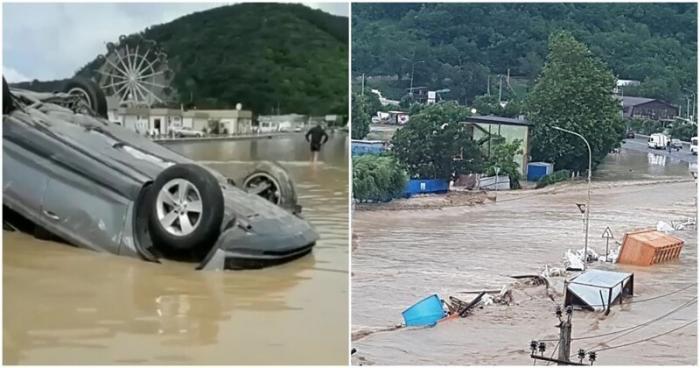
[461,198]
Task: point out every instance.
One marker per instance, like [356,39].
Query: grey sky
[52,40]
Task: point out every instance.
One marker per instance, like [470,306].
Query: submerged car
[70,173]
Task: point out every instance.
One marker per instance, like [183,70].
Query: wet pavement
[639,144]
[64,305]
[403,256]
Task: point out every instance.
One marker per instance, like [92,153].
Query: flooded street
[64,305]
[404,256]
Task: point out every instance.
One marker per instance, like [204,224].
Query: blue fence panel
[359,148]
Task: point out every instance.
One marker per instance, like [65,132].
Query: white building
[162,121]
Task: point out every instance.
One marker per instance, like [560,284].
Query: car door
[85,212]
[24,180]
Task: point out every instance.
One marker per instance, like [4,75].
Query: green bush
[555,177]
[377,178]
[683,130]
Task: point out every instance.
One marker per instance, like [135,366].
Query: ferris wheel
[135,71]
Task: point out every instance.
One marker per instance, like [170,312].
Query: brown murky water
[64,305]
[403,256]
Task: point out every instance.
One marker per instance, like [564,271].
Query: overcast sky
[53,40]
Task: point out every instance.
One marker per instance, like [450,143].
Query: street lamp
[588,202]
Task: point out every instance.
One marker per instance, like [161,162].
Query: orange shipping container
[649,247]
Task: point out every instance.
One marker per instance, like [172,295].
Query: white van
[658,141]
[694,145]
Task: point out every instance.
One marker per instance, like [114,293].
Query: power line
[634,301]
[684,305]
[648,338]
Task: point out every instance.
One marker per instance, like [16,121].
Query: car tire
[281,188]
[7,99]
[185,225]
[90,92]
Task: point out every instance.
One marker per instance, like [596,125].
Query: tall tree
[573,92]
[435,143]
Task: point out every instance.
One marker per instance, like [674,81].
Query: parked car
[69,173]
[676,144]
[630,134]
[657,141]
[694,145]
[187,132]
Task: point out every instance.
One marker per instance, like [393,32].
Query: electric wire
[647,338]
[684,305]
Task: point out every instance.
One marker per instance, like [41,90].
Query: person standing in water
[318,138]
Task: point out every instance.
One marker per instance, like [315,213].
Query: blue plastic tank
[426,312]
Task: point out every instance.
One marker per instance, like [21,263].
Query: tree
[377,178]
[574,92]
[435,143]
[360,116]
[502,157]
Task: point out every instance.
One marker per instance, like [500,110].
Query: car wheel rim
[264,185]
[179,207]
[82,94]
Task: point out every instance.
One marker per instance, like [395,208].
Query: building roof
[634,101]
[492,119]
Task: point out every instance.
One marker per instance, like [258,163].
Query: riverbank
[430,201]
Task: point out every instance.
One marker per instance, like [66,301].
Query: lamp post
[588,202]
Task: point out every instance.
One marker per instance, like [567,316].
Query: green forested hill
[457,46]
[266,56]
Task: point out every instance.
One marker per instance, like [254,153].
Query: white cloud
[13,76]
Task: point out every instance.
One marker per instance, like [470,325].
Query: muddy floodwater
[404,256]
[65,305]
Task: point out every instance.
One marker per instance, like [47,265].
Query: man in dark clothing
[318,138]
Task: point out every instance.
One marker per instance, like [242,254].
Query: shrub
[555,177]
[377,178]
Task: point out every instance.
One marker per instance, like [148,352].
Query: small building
[230,121]
[620,85]
[484,128]
[648,108]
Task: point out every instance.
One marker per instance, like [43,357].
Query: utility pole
[500,87]
[537,348]
[565,335]
[488,84]
[692,111]
[363,84]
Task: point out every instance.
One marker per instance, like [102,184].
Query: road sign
[607,234]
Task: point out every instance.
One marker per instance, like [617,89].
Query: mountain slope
[265,56]
[458,45]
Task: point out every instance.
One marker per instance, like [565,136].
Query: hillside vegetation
[458,46]
[269,57]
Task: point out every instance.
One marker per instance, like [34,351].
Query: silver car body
[81,178]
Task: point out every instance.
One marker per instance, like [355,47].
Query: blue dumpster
[426,312]
[425,186]
[537,170]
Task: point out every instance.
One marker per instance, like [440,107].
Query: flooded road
[64,305]
[403,256]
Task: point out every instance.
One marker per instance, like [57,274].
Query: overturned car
[71,174]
